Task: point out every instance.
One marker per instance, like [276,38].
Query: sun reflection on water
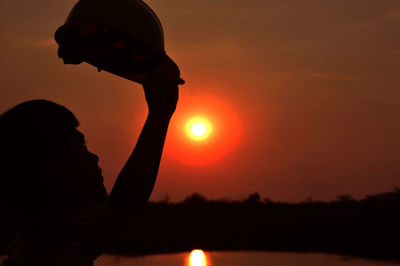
[198,258]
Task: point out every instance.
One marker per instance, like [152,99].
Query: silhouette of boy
[50,179]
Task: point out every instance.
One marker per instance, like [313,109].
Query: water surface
[242,258]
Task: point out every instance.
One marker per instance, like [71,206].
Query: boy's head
[44,163]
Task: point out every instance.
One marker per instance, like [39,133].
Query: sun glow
[204,130]
[198,128]
[197,258]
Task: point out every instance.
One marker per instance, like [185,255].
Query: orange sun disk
[204,131]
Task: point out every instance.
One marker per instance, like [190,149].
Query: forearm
[135,183]
[136,180]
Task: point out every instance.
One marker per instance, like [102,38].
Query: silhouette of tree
[195,199]
[344,199]
[253,198]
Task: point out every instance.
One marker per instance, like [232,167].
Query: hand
[161,89]
[161,97]
[167,69]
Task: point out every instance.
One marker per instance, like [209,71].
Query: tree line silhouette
[365,228]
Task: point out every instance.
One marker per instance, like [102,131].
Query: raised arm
[136,180]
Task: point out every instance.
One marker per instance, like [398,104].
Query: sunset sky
[303,96]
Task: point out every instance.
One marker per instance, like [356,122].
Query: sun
[197,258]
[198,128]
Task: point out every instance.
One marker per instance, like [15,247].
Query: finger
[181,81]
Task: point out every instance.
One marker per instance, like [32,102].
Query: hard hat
[120,36]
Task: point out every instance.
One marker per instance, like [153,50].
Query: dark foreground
[368,228]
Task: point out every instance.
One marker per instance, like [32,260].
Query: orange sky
[309,91]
